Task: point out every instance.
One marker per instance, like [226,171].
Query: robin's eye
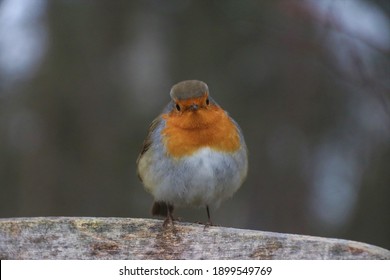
[178,107]
[207,101]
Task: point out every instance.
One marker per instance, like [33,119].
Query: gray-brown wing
[148,140]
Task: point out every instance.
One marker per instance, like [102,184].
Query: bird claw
[207,225]
[170,220]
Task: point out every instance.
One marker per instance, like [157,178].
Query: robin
[194,153]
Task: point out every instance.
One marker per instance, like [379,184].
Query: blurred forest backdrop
[308,81]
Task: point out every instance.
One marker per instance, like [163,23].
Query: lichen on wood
[129,238]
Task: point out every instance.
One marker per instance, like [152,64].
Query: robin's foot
[209,222]
[207,225]
[168,221]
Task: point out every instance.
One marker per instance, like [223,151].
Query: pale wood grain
[128,238]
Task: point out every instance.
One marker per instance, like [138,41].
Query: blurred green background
[308,81]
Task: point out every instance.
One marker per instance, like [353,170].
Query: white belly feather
[206,177]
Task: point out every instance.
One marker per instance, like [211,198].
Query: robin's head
[190,95]
[193,120]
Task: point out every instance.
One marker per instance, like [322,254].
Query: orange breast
[186,132]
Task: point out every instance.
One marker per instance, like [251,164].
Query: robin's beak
[194,107]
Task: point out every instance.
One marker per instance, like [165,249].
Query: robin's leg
[169,218]
[209,222]
[161,208]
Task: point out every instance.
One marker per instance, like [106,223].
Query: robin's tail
[161,208]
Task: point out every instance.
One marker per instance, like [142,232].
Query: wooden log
[128,238]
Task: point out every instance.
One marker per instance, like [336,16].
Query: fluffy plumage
[194,153]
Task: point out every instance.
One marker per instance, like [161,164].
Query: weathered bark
[127,238]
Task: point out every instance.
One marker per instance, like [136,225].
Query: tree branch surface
[130,238]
